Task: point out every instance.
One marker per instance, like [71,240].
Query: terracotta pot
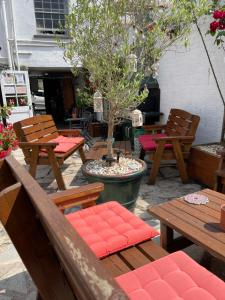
[222,217]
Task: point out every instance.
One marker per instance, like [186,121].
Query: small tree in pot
[120,42]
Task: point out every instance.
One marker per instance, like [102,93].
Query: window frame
[47,14]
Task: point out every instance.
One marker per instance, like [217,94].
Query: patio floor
[15,282]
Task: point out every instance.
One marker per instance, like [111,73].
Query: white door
[15,87]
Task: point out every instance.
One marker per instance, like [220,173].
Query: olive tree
[120,42]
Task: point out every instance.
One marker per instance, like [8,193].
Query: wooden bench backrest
[36,129]
[181,123]
[60,263]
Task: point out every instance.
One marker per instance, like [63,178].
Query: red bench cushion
[66,139]
[110,227]
[65,143]
[174,277]
[148,144]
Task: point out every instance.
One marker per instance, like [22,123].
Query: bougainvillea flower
[218,14]
[214,25]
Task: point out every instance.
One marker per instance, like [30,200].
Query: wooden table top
[100,148]
[198,223]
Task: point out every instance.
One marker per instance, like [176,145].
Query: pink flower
[218,14]
[1,127]
[214,25]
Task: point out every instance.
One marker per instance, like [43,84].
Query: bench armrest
[183,139]
[30,145]
[70,132]
[85,196]
[154,127]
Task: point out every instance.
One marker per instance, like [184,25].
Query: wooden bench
[60,263]
[35,135]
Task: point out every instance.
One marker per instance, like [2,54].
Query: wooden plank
[40,134]
[217,197]
[115,265]
[151,250]
[134,258]
[35,120]
[208,209]
[37,127]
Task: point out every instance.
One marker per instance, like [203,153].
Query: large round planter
[122,188]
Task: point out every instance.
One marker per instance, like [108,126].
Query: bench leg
[156,162]
[180,161]
[82,155]
[34,161]
[56,169]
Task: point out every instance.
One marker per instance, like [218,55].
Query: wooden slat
[215,196]
[115,265]
[40,134]
[151,250]
[40,126]
[35,120]
[134,257]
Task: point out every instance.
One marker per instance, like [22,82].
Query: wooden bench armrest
[154,127]
[69,132]
[84,195]
[29,145]
[183,139]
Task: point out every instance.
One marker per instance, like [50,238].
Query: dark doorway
[54,98]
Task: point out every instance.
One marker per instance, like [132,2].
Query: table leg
[166,236]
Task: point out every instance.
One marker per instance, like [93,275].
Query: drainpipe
[7,34]
[14,35]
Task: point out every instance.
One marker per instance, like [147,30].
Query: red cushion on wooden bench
[110,227]
[65,139]
[148,144]
[65,143]
[173,277]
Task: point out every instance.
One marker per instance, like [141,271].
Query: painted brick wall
[186,82]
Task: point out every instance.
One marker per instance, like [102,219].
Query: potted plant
[8,141]
[119,43]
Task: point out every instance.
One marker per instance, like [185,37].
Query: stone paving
[15,282]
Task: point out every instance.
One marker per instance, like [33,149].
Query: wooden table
[100,148]
[198,224]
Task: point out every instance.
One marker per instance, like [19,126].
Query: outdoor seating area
[112,150]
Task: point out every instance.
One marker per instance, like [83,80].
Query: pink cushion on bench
[174,277]
[148,144]
[65,143]
[65,139]
[110,227]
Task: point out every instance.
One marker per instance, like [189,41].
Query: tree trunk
[110,136]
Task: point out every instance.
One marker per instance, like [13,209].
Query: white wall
[34,51]
[186,82]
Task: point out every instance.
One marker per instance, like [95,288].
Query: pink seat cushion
[65,143]
[174,277]
[148,144]
[65,139]
[110,227]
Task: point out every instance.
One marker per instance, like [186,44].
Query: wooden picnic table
[198,224]
[100,148]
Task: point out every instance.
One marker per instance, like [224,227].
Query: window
[50,15]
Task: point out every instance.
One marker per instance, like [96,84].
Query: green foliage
[105,33]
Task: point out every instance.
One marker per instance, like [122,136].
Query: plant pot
[122,188]
[222,217]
